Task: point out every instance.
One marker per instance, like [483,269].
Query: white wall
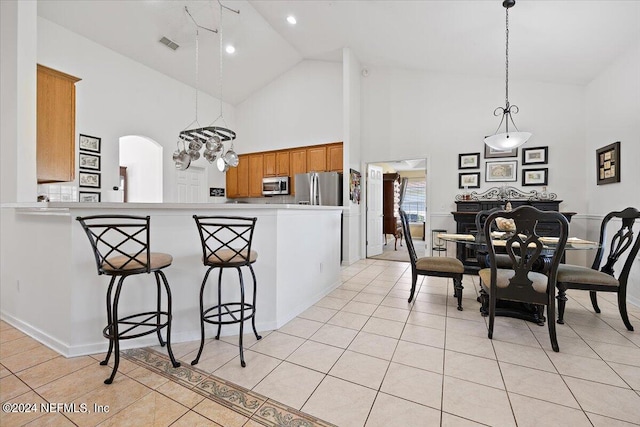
[353,224]
[118,96]
[301,107]
[409,114]
[18,101]
[613,114]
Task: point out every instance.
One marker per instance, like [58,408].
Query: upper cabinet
[317,158]
[298,159]
[282,163]
[276,163]
[246,179]
[232,182]
[256,173]
[334,157]
[243,176]
[270,164]
[56,126]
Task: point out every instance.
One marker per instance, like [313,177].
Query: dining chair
[502,260]
[603,278]
[432,266]
[519,282]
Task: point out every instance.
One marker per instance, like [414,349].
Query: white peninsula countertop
[51,289]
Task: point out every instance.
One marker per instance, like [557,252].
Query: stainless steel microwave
[275,185]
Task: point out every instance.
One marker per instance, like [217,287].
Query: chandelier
[213,137]
[507,140]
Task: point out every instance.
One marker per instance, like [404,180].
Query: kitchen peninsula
[52,291]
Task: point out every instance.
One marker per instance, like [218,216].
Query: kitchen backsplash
[59,192]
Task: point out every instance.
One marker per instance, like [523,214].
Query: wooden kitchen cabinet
[232,182]
[56,126]
[270,167]
[298,159]
[317,158]
[246,180]
[282,163]
[243,176]
[334,157]
[276,163]
[256,173]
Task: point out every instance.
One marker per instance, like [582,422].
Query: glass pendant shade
[507,141]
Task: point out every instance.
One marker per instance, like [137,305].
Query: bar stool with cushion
[120,244]
[432,266]
[226,243]
[604,278]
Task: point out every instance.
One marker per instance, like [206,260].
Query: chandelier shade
[507,140]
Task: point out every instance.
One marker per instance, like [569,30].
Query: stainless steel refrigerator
[319,188]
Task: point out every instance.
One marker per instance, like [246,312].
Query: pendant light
[212,138]
[507,140]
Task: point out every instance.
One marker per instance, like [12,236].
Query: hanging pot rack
[204,133]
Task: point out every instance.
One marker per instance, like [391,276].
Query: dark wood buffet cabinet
[465,217]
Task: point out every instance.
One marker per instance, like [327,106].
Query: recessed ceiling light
[230,49]
[291,20]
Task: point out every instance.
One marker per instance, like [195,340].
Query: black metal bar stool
[226,243]
[121,247]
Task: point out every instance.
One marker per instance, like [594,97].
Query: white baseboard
[67,350]
[35,333]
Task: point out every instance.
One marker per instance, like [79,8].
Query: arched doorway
[142,158]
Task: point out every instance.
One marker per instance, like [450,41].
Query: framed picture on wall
[89,179]
[469,161]
[608,164]
[89,143]
[535,176]
[535,156]
[469,180]
[88,196]
[501,171]
[89,161]
[492,153]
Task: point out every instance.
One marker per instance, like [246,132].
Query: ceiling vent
[169,43]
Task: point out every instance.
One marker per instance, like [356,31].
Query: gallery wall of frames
[502,166]
[89,168]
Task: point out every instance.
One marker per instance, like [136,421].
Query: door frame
[365,197]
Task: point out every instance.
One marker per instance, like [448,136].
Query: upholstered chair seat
[442,264]
[129,262]
[230,256]
[539,280]
[431,266]
[577,274]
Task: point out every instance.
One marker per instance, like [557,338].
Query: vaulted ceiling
[562,41]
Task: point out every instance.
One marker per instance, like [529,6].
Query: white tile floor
[363,356]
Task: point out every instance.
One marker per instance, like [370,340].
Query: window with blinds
[414,203]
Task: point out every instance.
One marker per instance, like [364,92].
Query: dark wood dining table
[529,312]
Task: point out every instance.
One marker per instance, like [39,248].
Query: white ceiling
[564,41]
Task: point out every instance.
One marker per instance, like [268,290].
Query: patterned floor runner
[250,404]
